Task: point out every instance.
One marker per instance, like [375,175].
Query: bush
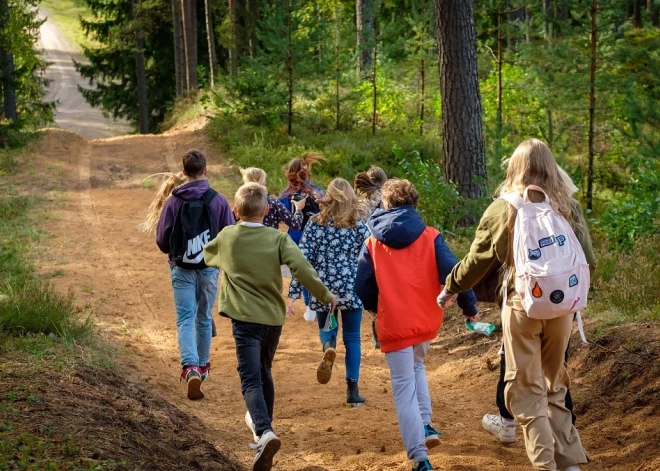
[626,284]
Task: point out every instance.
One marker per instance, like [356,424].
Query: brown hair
[399,193]
[194,163]
[253,174]
[340,205]
[298,172]
[368,184]
[251,200]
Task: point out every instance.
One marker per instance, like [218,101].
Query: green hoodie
[251,285]
[489,251]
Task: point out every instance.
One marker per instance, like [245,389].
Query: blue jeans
[351,319]
[194,295]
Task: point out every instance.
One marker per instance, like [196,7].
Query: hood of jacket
[397,228]
[192,190]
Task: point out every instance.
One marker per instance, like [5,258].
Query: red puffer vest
[408,285]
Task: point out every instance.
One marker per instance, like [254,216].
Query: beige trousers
[537,383]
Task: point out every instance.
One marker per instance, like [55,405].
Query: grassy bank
[66,14]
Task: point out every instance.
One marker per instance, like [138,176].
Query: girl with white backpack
[536,236]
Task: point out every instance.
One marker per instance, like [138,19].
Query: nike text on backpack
[551,271]
[194,227]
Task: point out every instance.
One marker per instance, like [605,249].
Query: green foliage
[440,204]
[111,57]
[20,37]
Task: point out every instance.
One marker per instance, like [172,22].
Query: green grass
[28,304]
[65,14]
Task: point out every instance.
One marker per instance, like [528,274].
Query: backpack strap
[209,195]
[514,199]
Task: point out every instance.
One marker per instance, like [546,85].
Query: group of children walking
[350,250]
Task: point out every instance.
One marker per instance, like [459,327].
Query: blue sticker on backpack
[561,240]
[572,281]
[547,241]
[534,254]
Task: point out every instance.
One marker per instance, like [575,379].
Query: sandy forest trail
[119,271]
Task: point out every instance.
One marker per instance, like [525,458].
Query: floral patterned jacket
[333,252]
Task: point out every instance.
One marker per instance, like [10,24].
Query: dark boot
[374,339]
[214,332]
[353,398]
[324,371]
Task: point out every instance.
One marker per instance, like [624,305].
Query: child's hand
[289,307]
[445,299]
[300,205]
[333,304]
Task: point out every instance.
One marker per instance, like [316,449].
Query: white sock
[508,422]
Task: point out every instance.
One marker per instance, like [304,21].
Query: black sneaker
[374,338]
[324,371]
[423,465]
[214,332]
[432,436]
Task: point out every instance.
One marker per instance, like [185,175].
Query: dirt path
[119,271]
[73,112]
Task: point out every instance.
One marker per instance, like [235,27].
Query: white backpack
[552,273]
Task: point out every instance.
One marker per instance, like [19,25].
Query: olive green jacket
[481,267]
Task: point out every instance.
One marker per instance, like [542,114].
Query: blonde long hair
[170,183]
[532,163]
[340,205]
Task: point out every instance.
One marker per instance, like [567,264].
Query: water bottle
[480,327]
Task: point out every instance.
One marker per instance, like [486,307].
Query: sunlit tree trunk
[210,39]
[143,112]
[179,65]
[592,103]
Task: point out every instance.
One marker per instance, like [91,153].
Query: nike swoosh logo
[197,258]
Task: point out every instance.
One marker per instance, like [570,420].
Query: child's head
[299,170]
[370,182]
[251,202]
[340,204]
[532,163]
[194,164]
[254,175]
[399,193]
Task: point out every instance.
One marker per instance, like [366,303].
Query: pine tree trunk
[422,77]
[289,68]
[637,12]
[210,38]
[364,16]
[7,69]
[143,112]
[189,21]
[592,104]
[374,116]
[463,144]
[337,61]
[178,48]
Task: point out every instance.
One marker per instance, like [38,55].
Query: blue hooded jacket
[398,228]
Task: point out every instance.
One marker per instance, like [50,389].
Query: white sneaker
[310,315]
[493,424]
[267,446]
[250,424]
[572,468]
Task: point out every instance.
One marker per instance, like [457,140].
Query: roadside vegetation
[67,14]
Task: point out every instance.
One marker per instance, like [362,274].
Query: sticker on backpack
[547,241]
[572,281]
[534,254]
[561,240]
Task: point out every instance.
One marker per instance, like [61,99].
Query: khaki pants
[536,391]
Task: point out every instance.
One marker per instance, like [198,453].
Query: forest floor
[107,263]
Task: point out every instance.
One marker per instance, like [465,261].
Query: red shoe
[193,377]
[205,371]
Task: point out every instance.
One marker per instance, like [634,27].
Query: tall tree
[179,65]
[366,37]
[592,103]
[189,22]
[7,66]
[463,143]
[210,39]
[141,77]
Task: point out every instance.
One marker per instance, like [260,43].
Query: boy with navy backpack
[191,217]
